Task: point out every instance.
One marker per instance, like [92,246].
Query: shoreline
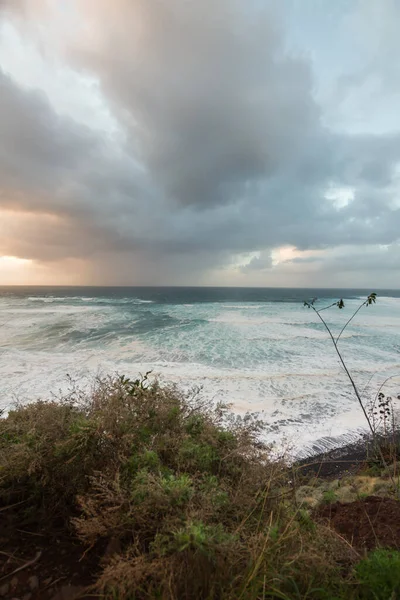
[338,462]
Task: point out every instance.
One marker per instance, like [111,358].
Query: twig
[25,566]
[340,304]
[31,533]
[357,393]
[382,385]
[12,505]
[53,583]
[351,318]
[372,527]
[9,555]
[337,534]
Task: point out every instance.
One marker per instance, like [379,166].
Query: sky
[188,142]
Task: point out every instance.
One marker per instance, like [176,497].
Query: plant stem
[347,371]
[357,393]
[351,318]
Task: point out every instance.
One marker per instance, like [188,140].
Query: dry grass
[183,495]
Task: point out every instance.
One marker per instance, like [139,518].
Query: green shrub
[197,456]
[305,520]
[148,459]
[227,438]
[195,536]
[329,497]
[190,493]
[363,495]
[195,425]
[179,489]
[379,575]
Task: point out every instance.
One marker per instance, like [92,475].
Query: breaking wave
[266,355]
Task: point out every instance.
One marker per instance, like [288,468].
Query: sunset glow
[14,271]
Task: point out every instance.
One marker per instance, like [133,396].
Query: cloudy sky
[200,142]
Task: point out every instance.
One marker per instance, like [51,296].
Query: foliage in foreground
[379,575]
[185,494]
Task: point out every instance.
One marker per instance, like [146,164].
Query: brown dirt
[61,570]
[370,523]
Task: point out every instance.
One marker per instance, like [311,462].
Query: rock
[47,581]
[68,592]
[27,596]
[33,582]
[4,590]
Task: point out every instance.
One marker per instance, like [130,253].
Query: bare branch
[357,393]
[351,318]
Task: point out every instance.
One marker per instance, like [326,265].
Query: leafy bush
[188,492]
[379,575]
[329,497]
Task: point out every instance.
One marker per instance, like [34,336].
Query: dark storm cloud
[222,149]
[37,148]
[213,99]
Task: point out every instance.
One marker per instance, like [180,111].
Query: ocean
[258,349]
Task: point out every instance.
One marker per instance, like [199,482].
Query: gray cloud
[37,148]
[222,150]
[207,92]
[305,260]
[258,263]
[364,266]
[375,259]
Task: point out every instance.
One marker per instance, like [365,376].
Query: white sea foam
[274,358]
[46,299]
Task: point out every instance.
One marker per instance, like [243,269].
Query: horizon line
[33,285]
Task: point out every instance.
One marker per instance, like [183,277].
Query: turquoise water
[258,349]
